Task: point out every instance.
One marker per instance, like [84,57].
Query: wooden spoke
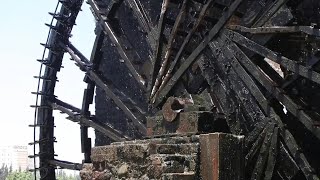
[213,32]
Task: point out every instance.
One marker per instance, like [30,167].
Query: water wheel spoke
[110,10]
[278,93]
[256,145]
[67,105]
[213,32]
[254,134]
[277,29]
[233,75]
[253,69]
[243,75]
[140,13]
[120,99]
[298,156]
[168,49]
[218,94]
[287,167]
[253,66]
[263,155]
[126,51]
[187,39]
[277,58]
[272,156]
[156,60]
[65,164]
[76,117]
[267,15]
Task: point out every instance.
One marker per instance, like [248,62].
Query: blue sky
[22,30]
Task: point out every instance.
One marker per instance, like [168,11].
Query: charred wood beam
[287,167]
[277,29]
[169,48]
[120,99]
[141,14]
[60,32]
[69,106]
[256,145]
[182,48]
[311,62]
[276,57]
[105,129]
[66,164]
[218,94]
[298,156]
[272,156]
[217,47]
[272,88]
[213,32]
[126,50]
[88,95]
[258,10]
[285,134]
[255,134]
[270,18]
[111,8]
[273,8]
[232,75]
[156,60]
[227,96]
[263,155]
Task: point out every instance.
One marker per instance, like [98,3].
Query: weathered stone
[123,170]
[189,148]
[186,122]
[87,172]
[170,158]
[106,175]
[178,176]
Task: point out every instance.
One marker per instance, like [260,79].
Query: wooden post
[221,156]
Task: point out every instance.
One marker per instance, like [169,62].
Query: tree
[4,172]
[62,175]
[20,176]
[10,169]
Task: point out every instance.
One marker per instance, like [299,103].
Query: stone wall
[171,158]
[159,158]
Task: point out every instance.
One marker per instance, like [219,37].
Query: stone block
[186,123]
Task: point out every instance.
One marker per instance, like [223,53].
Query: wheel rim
[229,47]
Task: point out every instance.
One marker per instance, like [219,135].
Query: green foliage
[7,174]
[61,175]
[20,176]
[4,171]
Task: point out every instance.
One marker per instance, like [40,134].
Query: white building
[15,156]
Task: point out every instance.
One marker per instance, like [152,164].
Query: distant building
[15,156]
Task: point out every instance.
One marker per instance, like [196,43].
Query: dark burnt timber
[107,130]
[140,14]
[242,67]
[185,42]
[66,164]
[126,51]
[60,33]
[168,50]
[197,51]
[107,86]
